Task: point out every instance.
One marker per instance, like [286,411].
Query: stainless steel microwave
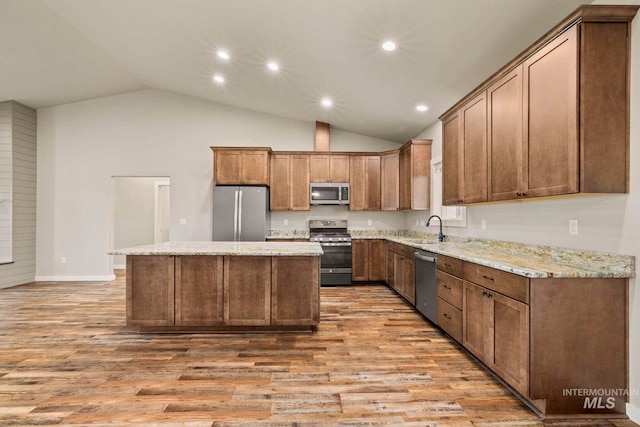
[328,193]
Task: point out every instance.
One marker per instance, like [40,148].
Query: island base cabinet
[247,290]
[198,293]
[295,291]
[150,290]
[579,333]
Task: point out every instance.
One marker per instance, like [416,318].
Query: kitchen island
[223,286]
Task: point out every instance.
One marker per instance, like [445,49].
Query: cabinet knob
[524,194]
[488,278]
[446,316]
[447,287]
[446,264]
[519,193]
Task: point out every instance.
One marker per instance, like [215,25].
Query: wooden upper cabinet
[473,117]
[364,181]
[241,165]
[551,130]
[451,160]
[415,174]
[390,181]
[289,182]
[557,116]
[329,168]
[505,141]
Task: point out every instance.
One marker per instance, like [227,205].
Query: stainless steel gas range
[335,264]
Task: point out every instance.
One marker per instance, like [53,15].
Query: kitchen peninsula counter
[223,286]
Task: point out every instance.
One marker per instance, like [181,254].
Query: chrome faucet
[440,235]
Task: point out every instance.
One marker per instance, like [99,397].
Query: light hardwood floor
[66,357]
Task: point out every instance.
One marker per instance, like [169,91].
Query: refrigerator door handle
[235,217]
[240,217]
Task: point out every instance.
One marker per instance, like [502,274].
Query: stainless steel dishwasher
[426,286]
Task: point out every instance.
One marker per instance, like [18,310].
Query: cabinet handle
[446,264]
[447,287]
[488,278]
[519,193]
[524,194]
[446,316]
[484,294]
[489,295]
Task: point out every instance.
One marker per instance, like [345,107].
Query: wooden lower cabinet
[368,260]
[496,330]
[198,290]
[295,290]
[541,336]
[150,290]
[402,271]
[247,290]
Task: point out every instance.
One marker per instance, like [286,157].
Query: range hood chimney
[322,136]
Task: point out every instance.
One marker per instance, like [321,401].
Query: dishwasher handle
[423,257]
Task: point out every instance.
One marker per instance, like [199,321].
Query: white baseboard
[107,278]
[633,412]
[120,267]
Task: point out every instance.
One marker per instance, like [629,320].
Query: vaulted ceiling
[60,51]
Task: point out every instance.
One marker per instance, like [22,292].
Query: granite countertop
[527,260]
[225,248]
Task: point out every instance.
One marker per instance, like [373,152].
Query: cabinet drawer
[511,285]
[450,289]
[405,251]
[450,265]
[450,319]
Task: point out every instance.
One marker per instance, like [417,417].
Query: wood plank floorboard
[67,358]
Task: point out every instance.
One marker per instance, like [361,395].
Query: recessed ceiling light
[223,54]
[218,78]
[326,102]
[389,46]
[273,66]
[422,108]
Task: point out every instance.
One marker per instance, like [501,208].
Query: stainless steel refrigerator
[241,214]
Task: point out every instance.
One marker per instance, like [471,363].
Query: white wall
[144,133]
[609,223]
[133,205]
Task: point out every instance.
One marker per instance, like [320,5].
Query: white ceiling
[60,51]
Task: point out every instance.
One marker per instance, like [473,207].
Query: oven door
[336,258]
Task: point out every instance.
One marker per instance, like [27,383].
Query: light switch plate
[286,222]
[573,227]
[369,222]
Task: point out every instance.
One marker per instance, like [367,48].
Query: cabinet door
[390,268]
[247,290]
[299,182]
[390,182]
[198,290]
[357,180]
[319,168]
[475,326]
[420,179]
[228,167]
[372,183]
[398,279]
[405,178]
[510,325]
[255,167]
[550,159]
[359,260]
[150,290]
[280,190]
[504,109]
[408,280]
[474,145]
[451,161]
[377,259]
[339,168]
[295,290]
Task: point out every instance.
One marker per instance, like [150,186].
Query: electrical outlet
[183,221]
[63,260]
[483,224]
[573,227]
[369,222]
[286,222]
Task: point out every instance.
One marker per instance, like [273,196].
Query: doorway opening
[141,212]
